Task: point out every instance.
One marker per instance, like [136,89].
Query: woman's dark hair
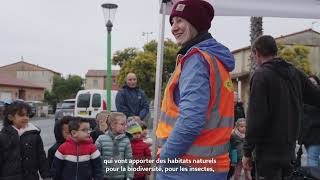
[315,78]
[16,107]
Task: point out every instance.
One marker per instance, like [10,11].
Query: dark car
[1,109]
[33,105]
[66,108]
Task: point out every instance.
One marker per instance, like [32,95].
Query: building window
[95,83]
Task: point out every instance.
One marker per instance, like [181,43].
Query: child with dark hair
[77,158]
[61,133]
[22,154]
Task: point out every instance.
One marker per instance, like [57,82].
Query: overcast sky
[69,36]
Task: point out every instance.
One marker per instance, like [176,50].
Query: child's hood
[58,132]
[30,128]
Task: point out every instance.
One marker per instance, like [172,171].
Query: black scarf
[196,40]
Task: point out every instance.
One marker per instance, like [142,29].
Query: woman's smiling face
[182,30]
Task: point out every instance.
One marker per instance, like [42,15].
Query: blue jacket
[132,102]
[114,147]
[192,97]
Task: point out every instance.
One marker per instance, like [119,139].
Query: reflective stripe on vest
[214,138]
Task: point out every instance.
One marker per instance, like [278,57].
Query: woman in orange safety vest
[197,109]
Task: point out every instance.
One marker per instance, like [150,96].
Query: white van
[92,101]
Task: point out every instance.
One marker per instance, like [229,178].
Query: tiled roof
[100,73]
[36,66]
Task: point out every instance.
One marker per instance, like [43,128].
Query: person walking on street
[131,100]
[311,128]
[277,93]
[197,111]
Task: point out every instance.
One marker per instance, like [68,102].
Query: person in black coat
[311,129]
[61,133]
[131,100]
[22,154]
[278,91]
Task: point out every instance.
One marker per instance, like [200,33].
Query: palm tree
[256,30]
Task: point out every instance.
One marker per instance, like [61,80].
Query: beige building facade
[12,88]
[35,74]
[96,79]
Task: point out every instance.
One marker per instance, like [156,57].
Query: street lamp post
[109,11]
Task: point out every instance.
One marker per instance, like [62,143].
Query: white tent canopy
[308,9]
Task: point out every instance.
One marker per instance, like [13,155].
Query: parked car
[1,109]
[92,101]
[66,108]
[33,105]
[50,109]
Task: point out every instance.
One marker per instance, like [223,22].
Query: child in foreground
[77,158]
[115,145]
[140,150]
[22,156]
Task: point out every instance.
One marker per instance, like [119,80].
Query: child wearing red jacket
[140,150]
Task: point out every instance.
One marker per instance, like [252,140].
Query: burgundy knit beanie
[199,13]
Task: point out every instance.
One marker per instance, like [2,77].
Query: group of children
[82,154]
[78,153]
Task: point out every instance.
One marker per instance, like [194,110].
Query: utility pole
[147,34]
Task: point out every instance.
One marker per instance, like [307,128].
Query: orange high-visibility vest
[212,143]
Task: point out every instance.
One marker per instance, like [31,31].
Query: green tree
[120,57]
[51,99]
[63,88]
[297,55]
[144,65]
[256,30]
